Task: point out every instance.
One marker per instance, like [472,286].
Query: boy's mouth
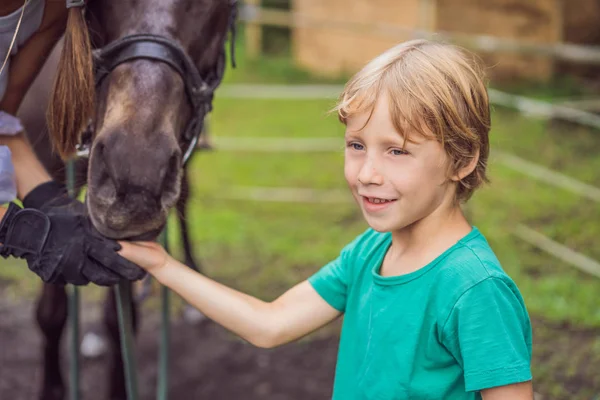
[377,200]
[376,203]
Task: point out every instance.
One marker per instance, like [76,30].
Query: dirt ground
[209,363]
[206,362]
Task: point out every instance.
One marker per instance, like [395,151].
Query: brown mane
[73,94]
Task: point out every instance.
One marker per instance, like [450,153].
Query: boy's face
[395,184]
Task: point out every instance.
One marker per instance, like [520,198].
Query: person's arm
[25,66]
[296,313]
[518,391]
[2,212]
[27,63]
[29,171]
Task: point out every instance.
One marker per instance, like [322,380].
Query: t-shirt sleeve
[489,333]
[332,281]
[8,183]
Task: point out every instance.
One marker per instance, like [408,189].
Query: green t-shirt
[446,331]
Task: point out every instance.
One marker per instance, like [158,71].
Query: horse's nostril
[175,161]
[99,148]
[102,177]
[170,185]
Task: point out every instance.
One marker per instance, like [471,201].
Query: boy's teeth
[377,201]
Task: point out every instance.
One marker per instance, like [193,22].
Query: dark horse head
[157,64]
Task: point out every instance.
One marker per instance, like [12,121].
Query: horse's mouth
[145,237]
[147,231]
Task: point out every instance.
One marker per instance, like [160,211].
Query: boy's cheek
[350,173]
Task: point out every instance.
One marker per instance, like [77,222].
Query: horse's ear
[73,95]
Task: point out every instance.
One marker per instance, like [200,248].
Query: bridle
[200,90]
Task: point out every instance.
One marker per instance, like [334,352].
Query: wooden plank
[485,43]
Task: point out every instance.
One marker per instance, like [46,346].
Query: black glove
[59,242]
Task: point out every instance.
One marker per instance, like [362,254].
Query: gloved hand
[53,233]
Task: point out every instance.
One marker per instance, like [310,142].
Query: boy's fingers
[137,252]
[128,247]
[128,251]
[125,249]
[109,258]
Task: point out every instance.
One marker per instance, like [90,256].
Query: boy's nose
[369,175]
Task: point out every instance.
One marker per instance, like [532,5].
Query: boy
[428,311]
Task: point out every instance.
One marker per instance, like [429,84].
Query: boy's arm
[296,313]
[518,391]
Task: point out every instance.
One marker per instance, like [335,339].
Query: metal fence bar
[124,312]
[313,145]
[528,106]
[74,387]
[163,358]
[557,250]
[544,109]
[73,308]
[548,176]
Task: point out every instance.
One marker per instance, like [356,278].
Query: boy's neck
[417,245]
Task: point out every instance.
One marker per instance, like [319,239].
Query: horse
[132,86]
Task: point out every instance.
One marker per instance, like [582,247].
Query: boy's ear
[465,171]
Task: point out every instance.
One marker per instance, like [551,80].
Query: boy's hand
[148,255]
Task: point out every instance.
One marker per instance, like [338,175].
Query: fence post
[428,15]
[253,33]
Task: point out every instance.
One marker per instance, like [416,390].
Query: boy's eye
[356,146]
[398,152]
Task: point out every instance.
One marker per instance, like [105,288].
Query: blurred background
[269,205]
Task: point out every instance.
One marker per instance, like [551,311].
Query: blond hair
[434,89]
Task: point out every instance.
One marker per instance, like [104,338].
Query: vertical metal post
[124,312]
[74,357]
[125,316]
[73,307]
[163,359]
